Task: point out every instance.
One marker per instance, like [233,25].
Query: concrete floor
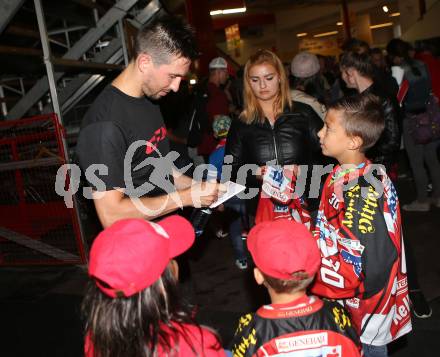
[39,307]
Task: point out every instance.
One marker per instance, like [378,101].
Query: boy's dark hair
[363,117]
[361,62]
[165,37]
[301,281]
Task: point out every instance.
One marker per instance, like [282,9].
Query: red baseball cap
[132,254]
[283,247]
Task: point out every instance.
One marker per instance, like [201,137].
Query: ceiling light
[302,34]
[385,8]
[227,11]
[326,34]
[385,24]
[394,14]
[192,82]
[339,23]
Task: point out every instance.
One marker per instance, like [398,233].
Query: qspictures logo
[68,176]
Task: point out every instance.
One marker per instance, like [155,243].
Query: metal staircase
[8,8]
[79,87]
[112,54]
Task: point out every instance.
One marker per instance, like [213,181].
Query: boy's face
[333,138]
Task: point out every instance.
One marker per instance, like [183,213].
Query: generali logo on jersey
[157,137]
[313,340]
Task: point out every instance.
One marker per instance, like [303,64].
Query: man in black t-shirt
[122,145]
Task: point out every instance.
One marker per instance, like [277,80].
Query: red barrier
[35,225]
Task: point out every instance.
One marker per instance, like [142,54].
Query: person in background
[236,90]
[351,45]
[382,73]
[235,209]
[286,259]
[308,87]
[326,65]
[269,129]
[132,306]
[359,228]
[426,55]
[356,45]
[414,103]
[217,103]
[358,73]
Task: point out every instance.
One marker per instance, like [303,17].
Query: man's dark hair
[361,62]
[300,281]
[399,48]
[165,37]
[363,117]
[355,45]
[376,51]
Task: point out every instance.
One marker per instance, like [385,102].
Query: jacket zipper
[275,146]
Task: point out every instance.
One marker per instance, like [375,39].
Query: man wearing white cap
[217,102]
[305,68]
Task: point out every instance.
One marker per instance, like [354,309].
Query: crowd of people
[328,246]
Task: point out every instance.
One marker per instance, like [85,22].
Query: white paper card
[232,189]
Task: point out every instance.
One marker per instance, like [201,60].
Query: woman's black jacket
[292,140]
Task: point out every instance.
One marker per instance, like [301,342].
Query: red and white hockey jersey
[358,230]
[278,199]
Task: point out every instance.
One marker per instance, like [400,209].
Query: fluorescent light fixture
[385,8]
[227,11]
[394,14]
[302,34]
[192,81]
[378,26]
[234,11]
[326,34]
[339,23]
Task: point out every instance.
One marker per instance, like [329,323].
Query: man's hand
[205,193]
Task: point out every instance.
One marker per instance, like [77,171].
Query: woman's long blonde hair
[252,111]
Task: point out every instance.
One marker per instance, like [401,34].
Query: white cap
[304,65]
[218,62]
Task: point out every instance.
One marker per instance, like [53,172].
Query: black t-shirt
[119,127]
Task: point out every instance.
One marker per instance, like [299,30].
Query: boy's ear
[355,142]
[259,278]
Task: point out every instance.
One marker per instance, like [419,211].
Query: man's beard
[157,94]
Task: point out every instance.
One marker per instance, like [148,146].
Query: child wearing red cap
[359,230]
[132,306]
[286,258]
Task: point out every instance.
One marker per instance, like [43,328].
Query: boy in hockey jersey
[294,324]
[358,228]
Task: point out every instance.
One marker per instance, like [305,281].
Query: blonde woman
[270,128]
